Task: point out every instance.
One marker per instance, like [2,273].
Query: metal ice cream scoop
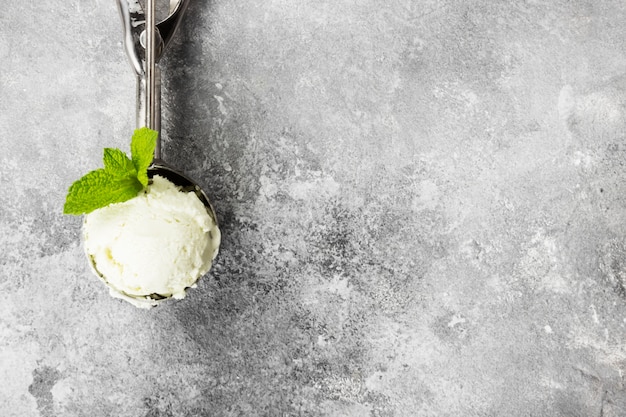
[144,42]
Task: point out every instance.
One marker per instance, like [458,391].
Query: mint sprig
[121,179]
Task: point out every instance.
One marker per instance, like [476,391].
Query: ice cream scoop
[145,42]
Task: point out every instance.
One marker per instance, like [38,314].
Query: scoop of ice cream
[159,242]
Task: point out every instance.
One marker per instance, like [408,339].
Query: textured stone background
[423,206]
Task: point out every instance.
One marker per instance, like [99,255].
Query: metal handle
[144,42]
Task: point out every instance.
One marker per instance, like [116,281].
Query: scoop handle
[144,42]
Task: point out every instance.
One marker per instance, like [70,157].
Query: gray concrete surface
[423,206]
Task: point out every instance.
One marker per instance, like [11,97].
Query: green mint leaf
[98,189]
[121,179]
[142,152]
[116,162]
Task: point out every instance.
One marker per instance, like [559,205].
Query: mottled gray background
[423,207]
